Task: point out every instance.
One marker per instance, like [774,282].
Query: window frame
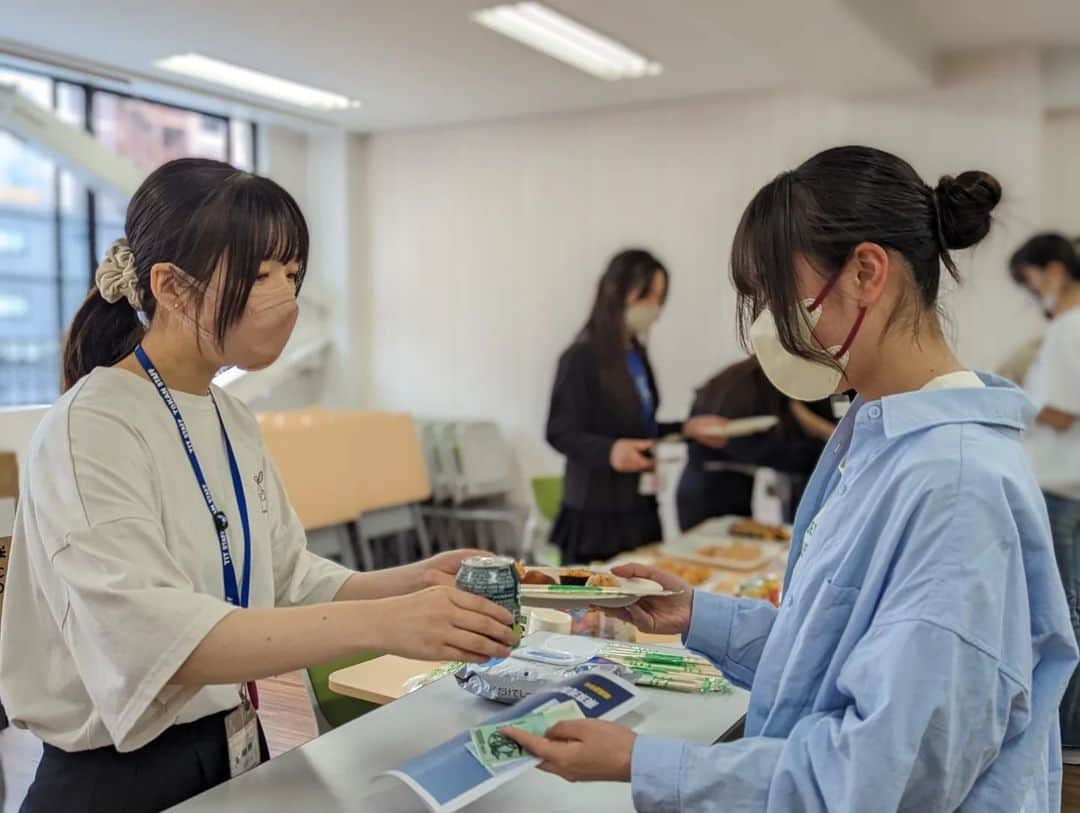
[56,217]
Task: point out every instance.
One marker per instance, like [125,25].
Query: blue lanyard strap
[234,595]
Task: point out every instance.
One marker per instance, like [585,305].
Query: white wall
[1061,172]
[486,241]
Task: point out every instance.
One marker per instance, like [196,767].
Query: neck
[179,363]
[1069,299]
[904,364]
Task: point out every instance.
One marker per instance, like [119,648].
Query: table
[334,772]
[381,680]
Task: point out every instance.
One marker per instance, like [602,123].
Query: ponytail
[101,334]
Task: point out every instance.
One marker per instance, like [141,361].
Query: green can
[496,579]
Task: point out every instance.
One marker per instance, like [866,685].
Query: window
[53,229]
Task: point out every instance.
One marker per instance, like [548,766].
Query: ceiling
[418,63]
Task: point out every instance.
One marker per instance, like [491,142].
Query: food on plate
[733,551]
[694,575]
[519,566]
[759,530]
[575,575]
[766,587]
[603,580]
[538,577]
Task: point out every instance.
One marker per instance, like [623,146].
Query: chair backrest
[484,459]
[548,494]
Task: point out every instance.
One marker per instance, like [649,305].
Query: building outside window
[53,229]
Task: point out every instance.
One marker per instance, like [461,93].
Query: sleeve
[1061,377]
[129,614]
[300,576]
[908,738]
[566,429]
[731,632]
[923,701]
[666,428]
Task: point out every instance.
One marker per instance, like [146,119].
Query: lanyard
[238,597]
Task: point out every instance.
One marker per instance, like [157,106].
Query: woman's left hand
[442,568]
[702,429]
[581,750]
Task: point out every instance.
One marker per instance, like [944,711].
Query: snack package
[508,680]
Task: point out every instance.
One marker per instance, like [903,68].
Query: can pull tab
[221,522]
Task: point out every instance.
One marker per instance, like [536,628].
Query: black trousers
[183,762]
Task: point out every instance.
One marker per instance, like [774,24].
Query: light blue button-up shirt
[923,643]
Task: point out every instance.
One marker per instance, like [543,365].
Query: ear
[169,291]
[869,268]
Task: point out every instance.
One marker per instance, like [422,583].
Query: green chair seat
[548,494]
[337,708]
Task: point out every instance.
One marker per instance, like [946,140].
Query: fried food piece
[537,577]
[760,530]
[603,580]
[738,551]
[519,566]
[692,574]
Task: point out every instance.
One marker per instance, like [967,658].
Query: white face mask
[796,377]
[641,316]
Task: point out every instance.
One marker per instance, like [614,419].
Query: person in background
[923,643]
[718,482]
[1048,266]
[603,416]
[157,568]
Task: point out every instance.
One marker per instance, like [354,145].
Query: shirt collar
[999,403]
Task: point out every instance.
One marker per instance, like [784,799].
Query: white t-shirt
[1053,380]
[115,573]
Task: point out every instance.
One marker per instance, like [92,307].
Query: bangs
[769,238]
[249,221]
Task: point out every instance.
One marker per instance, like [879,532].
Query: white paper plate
[570,597]
[740,427]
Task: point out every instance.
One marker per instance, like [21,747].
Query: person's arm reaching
[440,623]
[729,631]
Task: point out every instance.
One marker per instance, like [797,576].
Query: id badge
[648,485]
[242,732]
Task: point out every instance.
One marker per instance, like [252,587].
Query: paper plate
[572,597]
[740,427]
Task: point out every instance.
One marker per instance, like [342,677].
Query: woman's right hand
[446,624]
[627,456]
[663,615]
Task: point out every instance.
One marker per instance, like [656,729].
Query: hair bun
[964,204]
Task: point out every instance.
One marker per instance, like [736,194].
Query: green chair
[548,494]
[333,709]
[547,499]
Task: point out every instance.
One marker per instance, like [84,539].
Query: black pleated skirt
[589,536]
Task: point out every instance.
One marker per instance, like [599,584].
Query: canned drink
[496,579]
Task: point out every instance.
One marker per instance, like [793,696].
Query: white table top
[334,772]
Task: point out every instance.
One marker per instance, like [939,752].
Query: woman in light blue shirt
[923,642]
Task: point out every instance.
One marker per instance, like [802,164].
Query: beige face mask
[257,338]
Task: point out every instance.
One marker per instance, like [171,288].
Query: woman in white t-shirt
[157,567]
[1048,266]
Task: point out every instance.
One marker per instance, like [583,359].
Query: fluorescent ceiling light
[544,29]
[212,70]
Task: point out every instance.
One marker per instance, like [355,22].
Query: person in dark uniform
[603,417]
[719,482]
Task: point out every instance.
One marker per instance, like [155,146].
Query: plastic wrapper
[507,680]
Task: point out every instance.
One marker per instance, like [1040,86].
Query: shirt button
[875,412]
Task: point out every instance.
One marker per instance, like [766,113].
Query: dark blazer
[584,421]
